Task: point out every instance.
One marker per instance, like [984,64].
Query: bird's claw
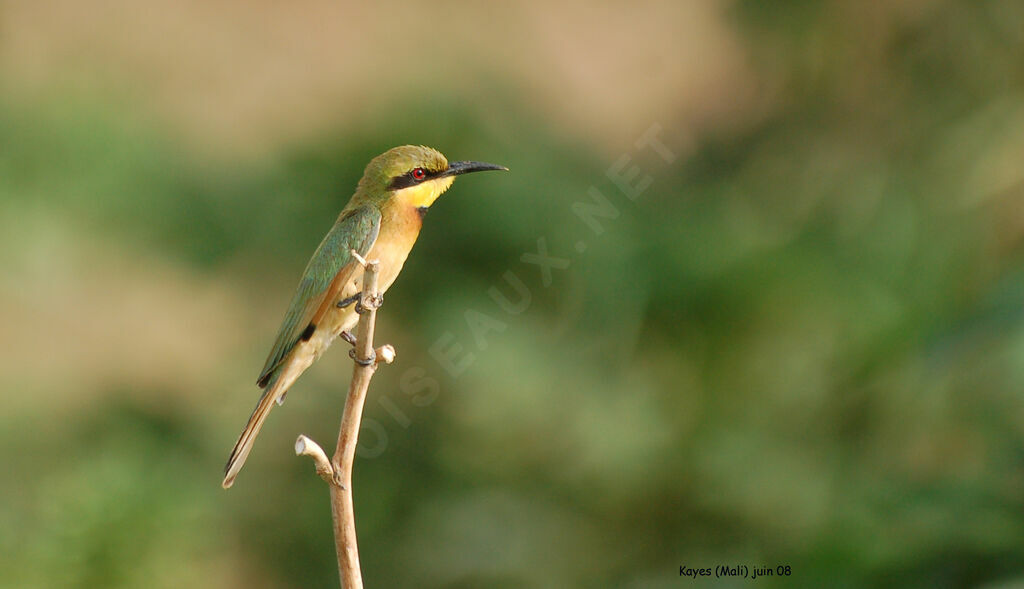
[348,301]
[372,304]
[367,362]
[348,337]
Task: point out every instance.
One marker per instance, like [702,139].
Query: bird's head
[414,174]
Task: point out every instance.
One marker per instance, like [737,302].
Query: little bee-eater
[380,222]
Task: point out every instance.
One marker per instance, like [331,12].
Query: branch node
[362,261]
[372,303]
[307,447]
[385,354]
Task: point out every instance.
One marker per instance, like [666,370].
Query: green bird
[381,222]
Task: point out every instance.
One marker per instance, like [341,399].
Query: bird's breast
[399,228]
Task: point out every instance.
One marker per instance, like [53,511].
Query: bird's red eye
[419,173]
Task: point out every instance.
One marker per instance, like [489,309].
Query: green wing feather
[356,230]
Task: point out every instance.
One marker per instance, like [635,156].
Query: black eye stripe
[407,179]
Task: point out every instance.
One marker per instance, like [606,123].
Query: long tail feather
[244,444]
[273,394]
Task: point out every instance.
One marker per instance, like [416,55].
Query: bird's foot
[347,336]
[348,301]
[367,362]
[372,304]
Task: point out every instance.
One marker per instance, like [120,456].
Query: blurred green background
[801,345]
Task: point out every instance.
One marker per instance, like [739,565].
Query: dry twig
[338,472]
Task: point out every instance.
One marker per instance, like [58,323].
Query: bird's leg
[348,301]
[347,336]
[372,302]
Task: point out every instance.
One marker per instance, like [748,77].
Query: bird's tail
[274,393]
[244,444]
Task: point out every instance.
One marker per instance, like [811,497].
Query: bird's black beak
[457,168]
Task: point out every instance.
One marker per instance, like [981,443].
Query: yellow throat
[424,194]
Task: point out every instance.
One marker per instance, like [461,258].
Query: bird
[380,222]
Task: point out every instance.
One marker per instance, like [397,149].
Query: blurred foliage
[802,345]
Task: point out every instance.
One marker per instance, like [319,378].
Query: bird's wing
[330,267]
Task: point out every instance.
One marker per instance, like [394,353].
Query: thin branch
[307,447]
[338,472]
